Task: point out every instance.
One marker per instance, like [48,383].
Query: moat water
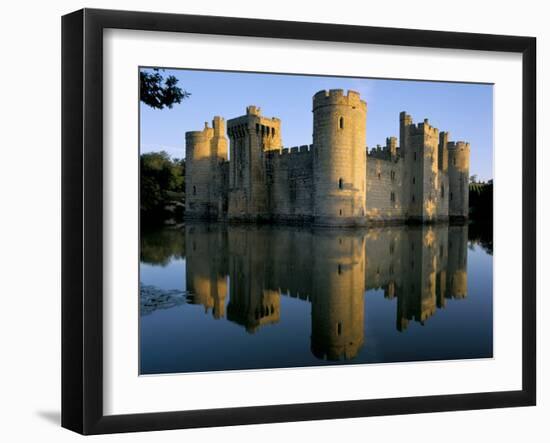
[218,297]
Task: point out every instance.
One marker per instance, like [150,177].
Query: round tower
[340,161]
[459,175]
[205,151]
[197,172]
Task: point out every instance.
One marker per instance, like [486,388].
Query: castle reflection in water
[239,273]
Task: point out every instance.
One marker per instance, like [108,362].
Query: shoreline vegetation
[162,189]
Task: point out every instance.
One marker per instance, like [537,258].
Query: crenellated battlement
[302,149]
[253,110]
[458,146]
[290,152]
[199,136]
[334,97]
[254,123]
[422,128]
[383,153]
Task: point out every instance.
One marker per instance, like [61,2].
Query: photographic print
[294,220]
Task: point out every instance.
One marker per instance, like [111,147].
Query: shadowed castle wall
[443,177]
[290,183]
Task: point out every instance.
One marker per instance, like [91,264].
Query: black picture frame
[82,218]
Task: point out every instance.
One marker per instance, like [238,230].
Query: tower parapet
[335,97]
[387,152]
[339,161]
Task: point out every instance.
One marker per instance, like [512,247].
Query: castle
[336,181]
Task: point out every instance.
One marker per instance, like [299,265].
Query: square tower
[250,137]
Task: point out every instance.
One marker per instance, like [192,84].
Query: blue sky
[465,110]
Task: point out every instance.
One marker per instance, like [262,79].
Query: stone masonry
[336,181]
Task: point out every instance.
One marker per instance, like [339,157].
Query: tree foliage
[159,92]
[481,201]
[162,186]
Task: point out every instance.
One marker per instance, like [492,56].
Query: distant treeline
[481,201]
[481,214]
[162,186]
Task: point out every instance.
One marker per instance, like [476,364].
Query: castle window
[194,190]
[273,132]
[379,177]
[450,195]
[340,183]
[341,123]
[339,269]
[340,212]
[392,196]
[442,191]
[257,127]
[392,175]
[415,156]
[414,180]
[339,328]
[454,161]
[413,198]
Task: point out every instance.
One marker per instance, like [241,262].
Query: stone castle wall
[384,201]
[335,181]
[289,177]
